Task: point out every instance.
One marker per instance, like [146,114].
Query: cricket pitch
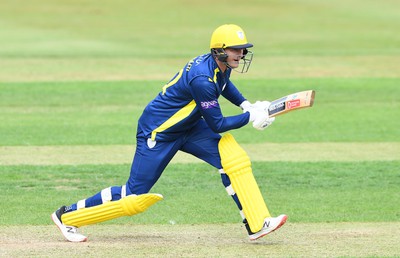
[206,240]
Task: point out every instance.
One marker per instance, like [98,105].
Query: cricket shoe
[69,232]
[270,225]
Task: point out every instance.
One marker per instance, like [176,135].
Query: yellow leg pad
[236,164]
[127,206]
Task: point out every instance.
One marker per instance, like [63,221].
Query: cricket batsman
[186,116]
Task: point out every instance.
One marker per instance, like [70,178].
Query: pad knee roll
[236,164]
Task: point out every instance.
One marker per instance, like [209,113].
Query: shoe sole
[283,221]
[55,220]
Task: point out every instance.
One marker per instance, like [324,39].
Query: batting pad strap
[229,190]
[242,215]
[236,164]
[128,206]
[106,195]
[81,204]
[123,191]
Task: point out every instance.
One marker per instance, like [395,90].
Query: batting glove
[245,106]
[262,105]
[263,121]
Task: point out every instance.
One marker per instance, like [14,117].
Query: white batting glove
[255,113]
[245,106]
[262,122]
[262,104]
[258,113]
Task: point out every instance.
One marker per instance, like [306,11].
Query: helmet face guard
[244,63]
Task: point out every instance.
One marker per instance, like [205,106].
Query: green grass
[173,29]
[358,110]
[103,40]
[347,54]
[79,73]
[308,192]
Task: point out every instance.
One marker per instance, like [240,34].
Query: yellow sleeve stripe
[214,80]
[215,74]
[176,118]
[164,89]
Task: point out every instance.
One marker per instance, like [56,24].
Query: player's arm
[258,116]
[232,94]
[205,95]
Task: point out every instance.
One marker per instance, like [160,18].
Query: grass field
[75,76]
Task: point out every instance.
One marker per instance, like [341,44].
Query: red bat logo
[293,103]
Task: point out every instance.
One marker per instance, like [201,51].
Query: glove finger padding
[264,105]
[258,113]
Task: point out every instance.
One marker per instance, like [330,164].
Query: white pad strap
[229,190]
[242,214]
[81,204]
[106,195]
[123,191]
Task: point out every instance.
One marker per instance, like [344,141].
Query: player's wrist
[255,113]
[245,106]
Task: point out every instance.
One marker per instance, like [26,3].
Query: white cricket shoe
[69,232]
[270,225]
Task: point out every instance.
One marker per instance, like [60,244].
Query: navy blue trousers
[151,159]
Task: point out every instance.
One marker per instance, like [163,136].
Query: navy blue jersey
[192,94]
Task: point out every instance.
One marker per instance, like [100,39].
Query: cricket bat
[298,100]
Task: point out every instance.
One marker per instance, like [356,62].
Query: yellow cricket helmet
[229,35]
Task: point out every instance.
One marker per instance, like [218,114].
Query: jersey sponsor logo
[209,104]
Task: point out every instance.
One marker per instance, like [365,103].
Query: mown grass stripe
[122,154]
